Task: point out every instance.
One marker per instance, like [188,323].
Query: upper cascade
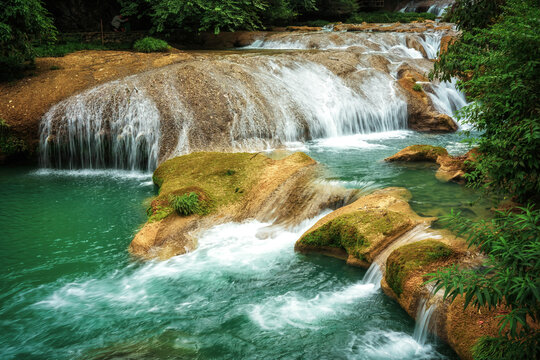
[240,102]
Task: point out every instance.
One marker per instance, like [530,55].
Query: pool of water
[69,288]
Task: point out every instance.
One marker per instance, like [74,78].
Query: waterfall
[423,321]
[373,275]
[113,125]
[243,102]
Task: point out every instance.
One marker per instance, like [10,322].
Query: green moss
[409,258]
[150,44]
[417,87]
[9,143]
[354,232]
[219,179]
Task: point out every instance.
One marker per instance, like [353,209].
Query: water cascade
[423,321]
[243,101]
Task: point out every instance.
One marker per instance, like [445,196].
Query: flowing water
[69,289]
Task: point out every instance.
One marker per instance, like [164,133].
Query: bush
[389,17]
[63,48]
[503,348]
[499,71]
[417,87]
[186,204]
[9,143]
[150,44]
[20,23]
[510,275]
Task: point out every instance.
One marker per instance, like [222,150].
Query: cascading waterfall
[446,98]
[423,321]
[115,124]
[242,103]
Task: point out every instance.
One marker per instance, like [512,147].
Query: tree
[499,67]
[198,15]
[22,22]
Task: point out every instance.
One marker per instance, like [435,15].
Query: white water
[423,325]
[114,124]
[363,42]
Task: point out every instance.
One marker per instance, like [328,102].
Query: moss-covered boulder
[203,189]
[451,168]
[404,280]
[418,153]
[360,231]
[409,258]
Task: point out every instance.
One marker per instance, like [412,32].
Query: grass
[150,44]
[63,48]
[417,87]
[186,204]
[389,17]
[409,258]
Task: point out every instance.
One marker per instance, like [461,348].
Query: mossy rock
[407,259]
[355,232]
[10,145]
[428,153]
[219,179]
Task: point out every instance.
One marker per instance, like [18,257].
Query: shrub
[389,17]
[63,48]
[509,276]
[503,348]
[150,44]
[417,87]
[9,143]
[186,204]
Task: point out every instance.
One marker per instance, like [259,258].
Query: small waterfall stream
[423,325]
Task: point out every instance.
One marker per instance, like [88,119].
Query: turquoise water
[69,289]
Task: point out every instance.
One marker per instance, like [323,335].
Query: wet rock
[404,281]
[419,153]
[451,168]
[229,187]
[422,116]
[358,232]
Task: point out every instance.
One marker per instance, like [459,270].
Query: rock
[358,232]
[427,153]
[415,44]
[422,116]
[451,168]
[446,41]
[404,280]
[304,28]
[229,187]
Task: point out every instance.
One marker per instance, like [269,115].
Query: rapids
[69,288]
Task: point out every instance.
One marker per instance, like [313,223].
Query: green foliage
[389,17]
[471,14]
[198,15]
[417,87]
[409,258]
[499,69]
[336,9]
[186,204]
[9,143]
[281,12]
[510,275]
[63,48]
[150,44]
[21,22]
[503,348]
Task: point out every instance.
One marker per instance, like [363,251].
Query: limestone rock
[413,153]
[230,187]
[360,231]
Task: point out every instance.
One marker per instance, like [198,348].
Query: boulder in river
[203,189]
[360,231]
